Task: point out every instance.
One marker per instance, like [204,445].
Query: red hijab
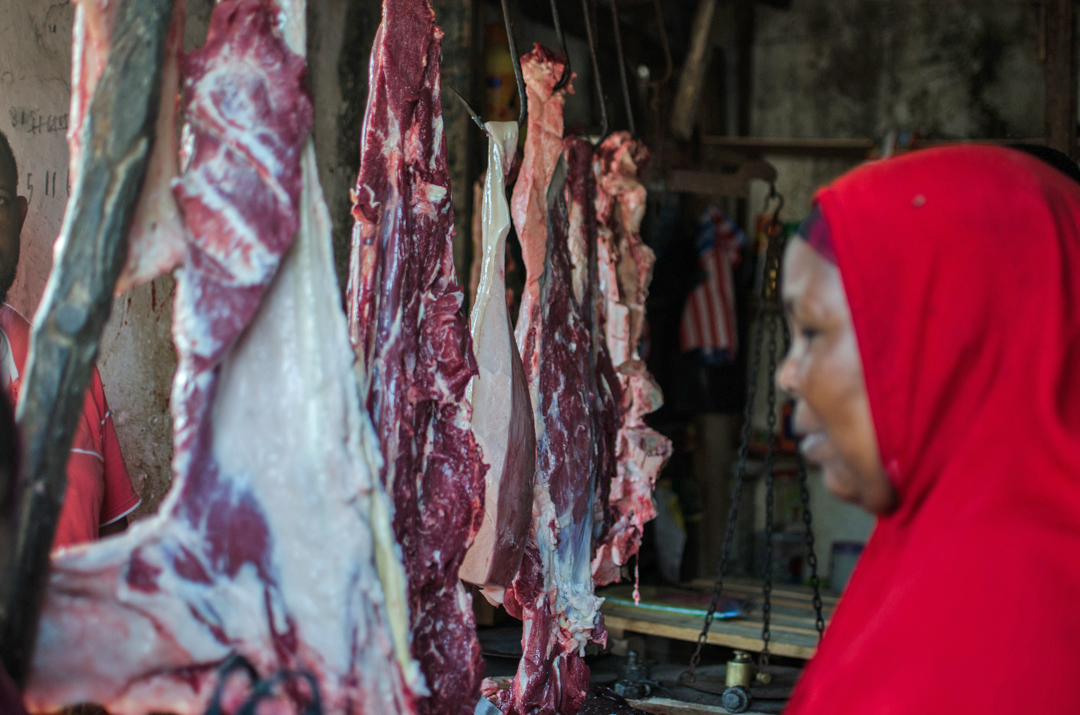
[962,269]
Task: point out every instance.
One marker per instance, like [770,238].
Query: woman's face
[823,371]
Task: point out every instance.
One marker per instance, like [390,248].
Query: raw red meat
[413,347]
[605,386]
[553,591]
[156,238]
[502,413]
[274,541]
[625,271]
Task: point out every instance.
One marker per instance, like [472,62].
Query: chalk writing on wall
[32,121]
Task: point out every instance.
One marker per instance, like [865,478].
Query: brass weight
[740,670]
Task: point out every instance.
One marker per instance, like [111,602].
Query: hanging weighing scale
[742,680]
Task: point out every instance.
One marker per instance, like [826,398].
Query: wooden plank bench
[792,623]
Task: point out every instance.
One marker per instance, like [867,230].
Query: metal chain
[808,520]
[770,456]
[771,315]
[768,309]
[687,676]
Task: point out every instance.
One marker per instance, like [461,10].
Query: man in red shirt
[99,494]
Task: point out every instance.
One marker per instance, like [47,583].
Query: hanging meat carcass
[502,413]
[414,352]
[625,271]
[274,542]
[156,239]
[553,591]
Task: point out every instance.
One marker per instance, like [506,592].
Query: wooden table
[669,613]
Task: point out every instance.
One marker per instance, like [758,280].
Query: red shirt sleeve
[98,490]
[120,497]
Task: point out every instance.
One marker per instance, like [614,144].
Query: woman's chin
[840,482]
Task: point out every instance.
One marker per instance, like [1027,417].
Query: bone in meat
[502,414]
[414,352]
[625,271]
[273,542]
[553,591]
[156,240]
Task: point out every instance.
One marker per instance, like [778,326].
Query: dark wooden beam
[692,78]
[1060,42]
[735,184]
[93,247]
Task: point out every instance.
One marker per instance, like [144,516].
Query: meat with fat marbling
[414,352]
[553,591]
[625,271]
[274,541]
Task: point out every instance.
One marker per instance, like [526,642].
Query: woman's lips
[812,446]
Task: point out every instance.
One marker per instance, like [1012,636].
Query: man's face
[12,215]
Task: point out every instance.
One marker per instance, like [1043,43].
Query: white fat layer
[313,484]
[491,391]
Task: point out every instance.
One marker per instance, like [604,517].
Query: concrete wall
[964,69]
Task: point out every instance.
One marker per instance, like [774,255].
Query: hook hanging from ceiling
[523,108]
[596,71]
[622,67]
[565,78]
[517,64]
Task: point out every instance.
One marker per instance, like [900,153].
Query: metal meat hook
[596,72]
[522,103]
[565,78]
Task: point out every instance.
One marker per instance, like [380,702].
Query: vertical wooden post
[1060,29]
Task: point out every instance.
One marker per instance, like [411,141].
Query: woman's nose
[787,375]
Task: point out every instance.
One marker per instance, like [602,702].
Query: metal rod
[596,71]
[117,143]
[522,99]
[468,107]
[622,67]
[670,66]
[565,78]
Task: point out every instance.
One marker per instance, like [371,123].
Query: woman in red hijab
[935,309]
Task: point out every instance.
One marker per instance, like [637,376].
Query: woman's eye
[809,333]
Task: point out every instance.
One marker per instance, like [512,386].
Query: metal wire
[596,72]
[622,67]
[468,107]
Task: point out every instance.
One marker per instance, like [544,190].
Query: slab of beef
[502,413]
[156,239]
[605,386]
[625,271]
[414,351]
[553,591]
[274,541]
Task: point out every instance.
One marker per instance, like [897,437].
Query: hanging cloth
[708,320]
[962,270]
